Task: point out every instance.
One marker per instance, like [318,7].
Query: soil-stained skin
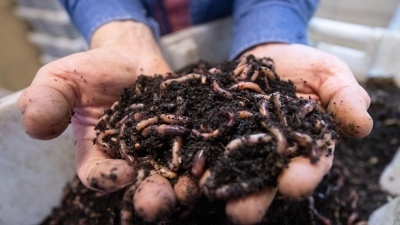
[238,121]
[154,199]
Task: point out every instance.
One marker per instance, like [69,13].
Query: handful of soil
[236,124]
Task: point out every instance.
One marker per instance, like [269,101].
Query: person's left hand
[329,81]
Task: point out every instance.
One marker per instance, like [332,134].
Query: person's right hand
[88,83]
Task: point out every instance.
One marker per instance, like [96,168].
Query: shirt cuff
[266,23]
[88,15]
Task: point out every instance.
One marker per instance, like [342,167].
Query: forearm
[259,22]
[89,15]
[123,33]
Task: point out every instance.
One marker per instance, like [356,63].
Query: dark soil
[349,190]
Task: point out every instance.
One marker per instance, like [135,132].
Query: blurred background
[36,32]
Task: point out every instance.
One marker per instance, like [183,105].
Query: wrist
[126,34]
[262,50]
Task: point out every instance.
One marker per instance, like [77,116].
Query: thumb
[47,103]
[349,106]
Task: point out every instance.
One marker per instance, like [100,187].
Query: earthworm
[180,108]
[242,61]
[176,154]
[266,97]
[199,162]
[162,170]
[174,119]
[323,219]
[196,132]
[247,85]
[268,73]
[361,223]
[215,133]
[307,108]
[255,75]
[164,129]
[263,109]
[129,191]
[278,106]
[138,90]
[127,200]
[230,190]
[353,197]
[146,123]
[138,116]
[156,98]
[122,122]
[104,145]
[302,139]
[291,150]
[112,118]
[104,118]
[281,141]
[214,71]
[244,114]
[204,129]
[124,154]
[244,73]
[352,218]
[203,80]
[239,69]
[114,105]
[319,108]
[121,129]
[266,82]
[234,78]
[319,124]
[267,62]
[221,91]
[179,100]
[326,138]
[136,106]
[306,141]
[134,138]
[231,118]
[190,76]
[245,140]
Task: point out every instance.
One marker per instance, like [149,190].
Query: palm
[88,83]
[326,79]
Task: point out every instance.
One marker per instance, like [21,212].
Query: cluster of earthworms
[169,115]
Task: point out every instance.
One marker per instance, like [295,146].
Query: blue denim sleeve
[265,21]
[88,15]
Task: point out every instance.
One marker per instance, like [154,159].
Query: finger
[95,168]
[154,199]
[186,190]
[46,105]
[301,177]
[251,208]
[340,93]
[349,106]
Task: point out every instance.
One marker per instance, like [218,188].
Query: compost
[230,118]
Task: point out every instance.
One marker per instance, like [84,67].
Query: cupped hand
[329,81]
[84,85]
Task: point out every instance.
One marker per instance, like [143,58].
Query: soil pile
[212,120]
